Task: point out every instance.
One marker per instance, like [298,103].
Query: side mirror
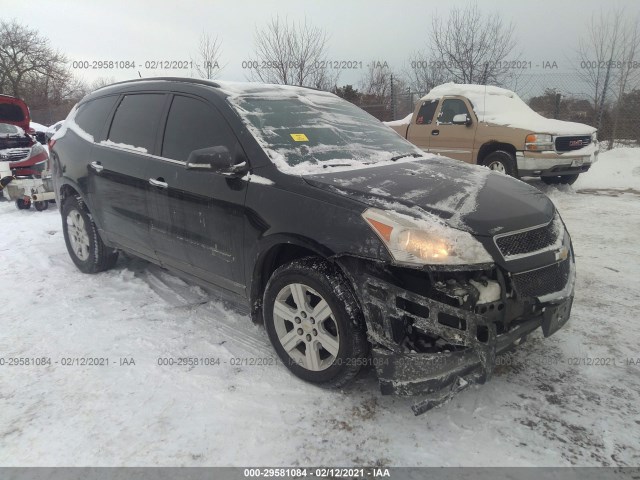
[462,119]
[215,159]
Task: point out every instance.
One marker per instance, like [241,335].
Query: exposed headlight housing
[425,241]
[539,142]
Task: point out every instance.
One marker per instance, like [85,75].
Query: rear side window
[92,115]
[136,121]
[192,125]
[426,112]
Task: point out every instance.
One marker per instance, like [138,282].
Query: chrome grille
[542,281]
[529,241]
[14,154]
[566,144]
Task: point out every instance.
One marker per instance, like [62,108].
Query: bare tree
[472,47]
[208,58]
[627,76]
[607,54]
[383,92]
[26,57]
[423,74]
[596,52]
[291,53]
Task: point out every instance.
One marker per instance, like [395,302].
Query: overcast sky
[373,30]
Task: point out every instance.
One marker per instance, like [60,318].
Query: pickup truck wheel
[84,244]
[563,179]
[501,161]
[314,322]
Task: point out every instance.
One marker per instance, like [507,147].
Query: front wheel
[560,179]
[23,204]
[502,162]
[84,244]
[314,322]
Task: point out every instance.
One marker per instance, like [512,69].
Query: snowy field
[571,399]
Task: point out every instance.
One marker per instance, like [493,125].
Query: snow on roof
[500,106]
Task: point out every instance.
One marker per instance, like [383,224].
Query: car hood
[466,197]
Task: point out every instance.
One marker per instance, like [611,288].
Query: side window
[136,121]
[192,125]
[92,115]
[426,112]
[450,108]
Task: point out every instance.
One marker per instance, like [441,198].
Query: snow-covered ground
[552,403]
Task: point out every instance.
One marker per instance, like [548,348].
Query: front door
[449,140]
[197,216]
[420,129]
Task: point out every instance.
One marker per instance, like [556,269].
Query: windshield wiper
[398,157]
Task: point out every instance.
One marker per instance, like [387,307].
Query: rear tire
[315,323]
[561,179]
[41,206]
[84,244]
[501,161]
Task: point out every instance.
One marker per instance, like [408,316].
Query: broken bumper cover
[476,340]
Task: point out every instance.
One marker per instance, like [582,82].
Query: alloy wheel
[306,327]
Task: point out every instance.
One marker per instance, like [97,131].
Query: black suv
[351,245]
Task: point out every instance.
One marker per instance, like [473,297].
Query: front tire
[501,161]
[84,244]
[23,204]
[315,323]
[561,179]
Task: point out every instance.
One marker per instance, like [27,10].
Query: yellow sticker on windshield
[299,137]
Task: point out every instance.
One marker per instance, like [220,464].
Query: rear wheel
[561,179]
[501,161]
[23,204]
[84,244]
[314,322]
[41,206]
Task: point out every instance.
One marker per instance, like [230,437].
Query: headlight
[36,149]
[425,241]
[539,142]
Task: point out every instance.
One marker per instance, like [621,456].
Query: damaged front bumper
[425,344]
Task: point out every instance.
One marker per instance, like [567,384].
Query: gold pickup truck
[492,126]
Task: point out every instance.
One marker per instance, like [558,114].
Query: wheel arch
[493,146]
[277,251]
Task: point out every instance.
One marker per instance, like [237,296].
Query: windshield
[309,133]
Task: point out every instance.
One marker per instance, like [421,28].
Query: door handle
[160,183]
[435,132]
[97,167]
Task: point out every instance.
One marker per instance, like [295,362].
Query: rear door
[197,216]
[118,170]
[449,140]
[420,130]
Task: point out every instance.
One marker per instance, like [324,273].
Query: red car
[26,156]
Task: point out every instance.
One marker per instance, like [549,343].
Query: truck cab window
[426,112]
[450,108]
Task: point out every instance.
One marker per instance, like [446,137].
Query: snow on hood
[38,127]
[403,121]
[466,197]
[500,106]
